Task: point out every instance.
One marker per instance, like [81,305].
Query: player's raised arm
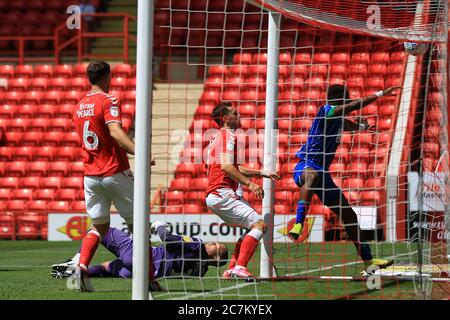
[339,96]
[120,136]
[231,171]
[259,173]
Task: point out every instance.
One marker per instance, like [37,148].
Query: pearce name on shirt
[86,110]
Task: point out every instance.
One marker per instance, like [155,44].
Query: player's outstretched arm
[353,126]
[362,102]
[160,229]
[116,131]
[259,173]
[236,175]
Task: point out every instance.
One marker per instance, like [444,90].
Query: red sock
[237,249]
[248,247]
[88,247]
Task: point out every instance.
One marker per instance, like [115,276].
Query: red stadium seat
[71,139]
[13,138]
[186,170]
[5,194]
[7,225]
[33,97]
[9,182]
[79,70]
[242,58]
[37,205]
[76,169]
[175,197]
[57,168]
[7,111]
[303,57]
[16,205]
[64,70]
[25,71]
[67,153]
[372,198]
[45,194]
[129,97]
[72,97]
[6,71]
[357,169]
[52,139]
[43,112]
[45,153]
[51,182]
[131,83]
[13,97]
[78,84]
[18,84]
[378,69]
[66,194]
[353,183]
[22,194]
[193,208]
[6,153]
[24,153]
[79,206]
[52,97]
[43,70]
[26,111]
[118,83]
[16,169]
[180,184]
[18,125]
[58,206]
[284,197]
[73,183]
[37,169]
[29,182]
[64,111]
[58,84]
[122,70]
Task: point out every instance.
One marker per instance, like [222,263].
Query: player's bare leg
[233,260]
[89,246]
[350,221]
[247,249]
[309,179]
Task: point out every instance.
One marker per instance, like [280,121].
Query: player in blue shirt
[311,173]
[180,255]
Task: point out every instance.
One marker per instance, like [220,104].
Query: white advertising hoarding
[433,196]
[208,227]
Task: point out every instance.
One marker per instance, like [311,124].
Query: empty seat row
[57,97]
[42,182]
[41,168]
[42,205]
[61,70]
[64,84]
[27,194]
[50,111]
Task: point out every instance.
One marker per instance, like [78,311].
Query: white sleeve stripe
[113,121]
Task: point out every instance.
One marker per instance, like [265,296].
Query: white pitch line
[242,285]
[1,267]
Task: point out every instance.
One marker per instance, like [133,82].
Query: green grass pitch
[25,274]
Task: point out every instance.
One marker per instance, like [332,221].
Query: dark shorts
[327,191]
[117,269]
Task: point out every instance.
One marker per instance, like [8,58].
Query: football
[415,49]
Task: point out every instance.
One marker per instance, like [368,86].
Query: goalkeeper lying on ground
[180,255]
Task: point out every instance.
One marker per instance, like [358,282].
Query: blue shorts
[327,191]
